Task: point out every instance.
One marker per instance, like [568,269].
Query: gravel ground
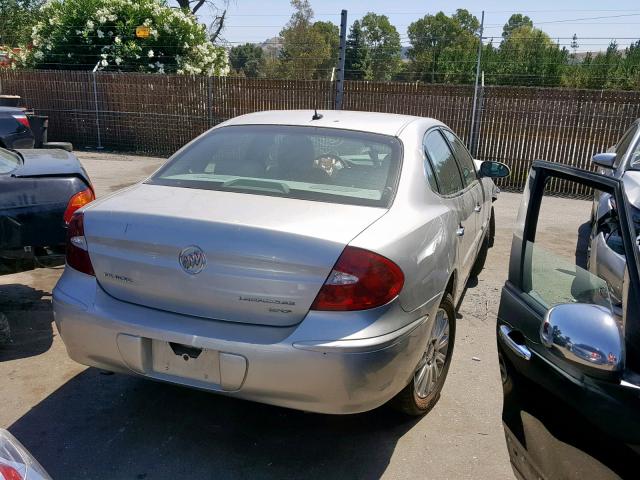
[82,424]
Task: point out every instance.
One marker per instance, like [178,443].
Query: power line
[587,18]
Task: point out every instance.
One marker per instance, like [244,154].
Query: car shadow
[472,282]
[30,321]
[116,426]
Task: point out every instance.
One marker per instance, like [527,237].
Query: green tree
[602,70]
[444,48]
[248,59]
[17,17]
[305,48]
[611,69]
[331,36]
[630,67]
[80,34]
[528,57]
[357,62]
[516,20]
[382,42]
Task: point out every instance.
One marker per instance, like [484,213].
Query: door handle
[460,231]
[478,208]
[520,350]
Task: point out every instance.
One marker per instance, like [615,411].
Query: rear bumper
[348,372]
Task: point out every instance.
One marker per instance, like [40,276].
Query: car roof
[382,123]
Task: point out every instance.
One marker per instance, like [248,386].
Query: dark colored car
[15,131]
[620,161]
[39,191]
[570,363]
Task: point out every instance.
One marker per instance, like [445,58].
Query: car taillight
[23,120]
[360,279]
[80,199]
[16,463]
[7,472]
[77,254]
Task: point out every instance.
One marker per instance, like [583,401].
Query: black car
[570,365]
[39,191]
[15,130]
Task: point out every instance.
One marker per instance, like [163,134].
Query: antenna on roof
[316,115]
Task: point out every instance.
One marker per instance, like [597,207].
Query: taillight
[7,472]
[23,120]
[360,279]
[77,254]
[16,463]
[80,199]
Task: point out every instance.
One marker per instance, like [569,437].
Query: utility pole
[472,133]
[95,100]
[341,58]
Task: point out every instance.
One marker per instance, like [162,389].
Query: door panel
[467,243]
[480,209]
[552,403]
[474,199]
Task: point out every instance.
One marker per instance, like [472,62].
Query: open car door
[569,358]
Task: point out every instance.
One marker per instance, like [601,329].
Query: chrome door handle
[520,350]
[460,231]
[478,208]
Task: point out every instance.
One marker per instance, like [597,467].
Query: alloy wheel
[434,358]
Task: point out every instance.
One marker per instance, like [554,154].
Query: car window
[467,168]
[443,163]
[634,156]
[625,142]
[555,279]
[576,255]
[8,161]
[431,177]
[310,163]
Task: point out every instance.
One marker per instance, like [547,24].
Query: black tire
[408,401]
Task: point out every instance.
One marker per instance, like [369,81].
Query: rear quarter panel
[418,231]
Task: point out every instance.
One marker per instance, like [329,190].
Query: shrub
[78,34]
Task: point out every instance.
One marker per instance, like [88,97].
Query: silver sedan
[302,259]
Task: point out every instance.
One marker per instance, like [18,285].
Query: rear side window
[624,144]
[463,156]
[443,162]
[310,163]
[8,161]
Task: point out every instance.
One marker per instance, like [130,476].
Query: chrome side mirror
[605,160]
[493,169]
[586,336]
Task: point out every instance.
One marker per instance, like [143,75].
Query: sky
[595,22]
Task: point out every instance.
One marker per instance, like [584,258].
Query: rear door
[452,188]
[563,420]
[474,192]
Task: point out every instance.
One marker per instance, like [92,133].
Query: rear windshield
[310,163]
[9,161]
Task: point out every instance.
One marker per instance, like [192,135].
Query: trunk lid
[266,257]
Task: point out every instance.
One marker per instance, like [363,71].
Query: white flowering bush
[80,34]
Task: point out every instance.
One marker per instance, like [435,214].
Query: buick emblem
[192,260]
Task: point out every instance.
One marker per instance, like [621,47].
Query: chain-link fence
[157,114]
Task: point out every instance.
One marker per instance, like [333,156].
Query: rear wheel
[423,390]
